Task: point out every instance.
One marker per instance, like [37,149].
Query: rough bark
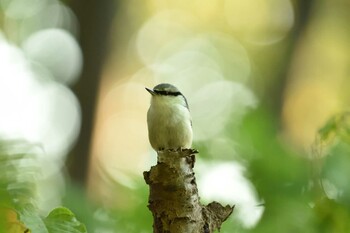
[174,200]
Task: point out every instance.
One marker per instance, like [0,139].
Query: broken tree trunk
[174,200]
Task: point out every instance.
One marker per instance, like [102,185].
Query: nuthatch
[168,118]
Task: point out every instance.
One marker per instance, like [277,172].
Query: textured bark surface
[174,200]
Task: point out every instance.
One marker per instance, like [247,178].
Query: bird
[168,118]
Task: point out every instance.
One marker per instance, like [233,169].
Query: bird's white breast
[169,123]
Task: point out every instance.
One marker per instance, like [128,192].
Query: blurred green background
[267,84]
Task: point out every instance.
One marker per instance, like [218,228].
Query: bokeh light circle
[58,51]
[260,21]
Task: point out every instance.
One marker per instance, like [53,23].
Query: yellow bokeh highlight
[319,79]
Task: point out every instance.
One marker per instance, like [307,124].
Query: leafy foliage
[300,194]
[337,127]
[62,219]
[18,175]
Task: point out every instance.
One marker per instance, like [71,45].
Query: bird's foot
[190,150]
[160,149]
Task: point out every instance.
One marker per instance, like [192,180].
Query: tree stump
[174,200]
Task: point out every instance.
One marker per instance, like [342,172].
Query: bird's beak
[150,91]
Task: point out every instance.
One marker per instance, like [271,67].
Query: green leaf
[328,129]
[18,173]
[62,220]
[31,219]
[337,126]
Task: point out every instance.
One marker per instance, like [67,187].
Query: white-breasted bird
[168,118]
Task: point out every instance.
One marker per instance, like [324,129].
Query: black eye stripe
[167,93]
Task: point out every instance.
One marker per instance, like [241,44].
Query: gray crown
[166,87]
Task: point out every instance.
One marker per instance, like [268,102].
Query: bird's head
[166,92]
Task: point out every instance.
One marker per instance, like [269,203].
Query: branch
[174,200]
